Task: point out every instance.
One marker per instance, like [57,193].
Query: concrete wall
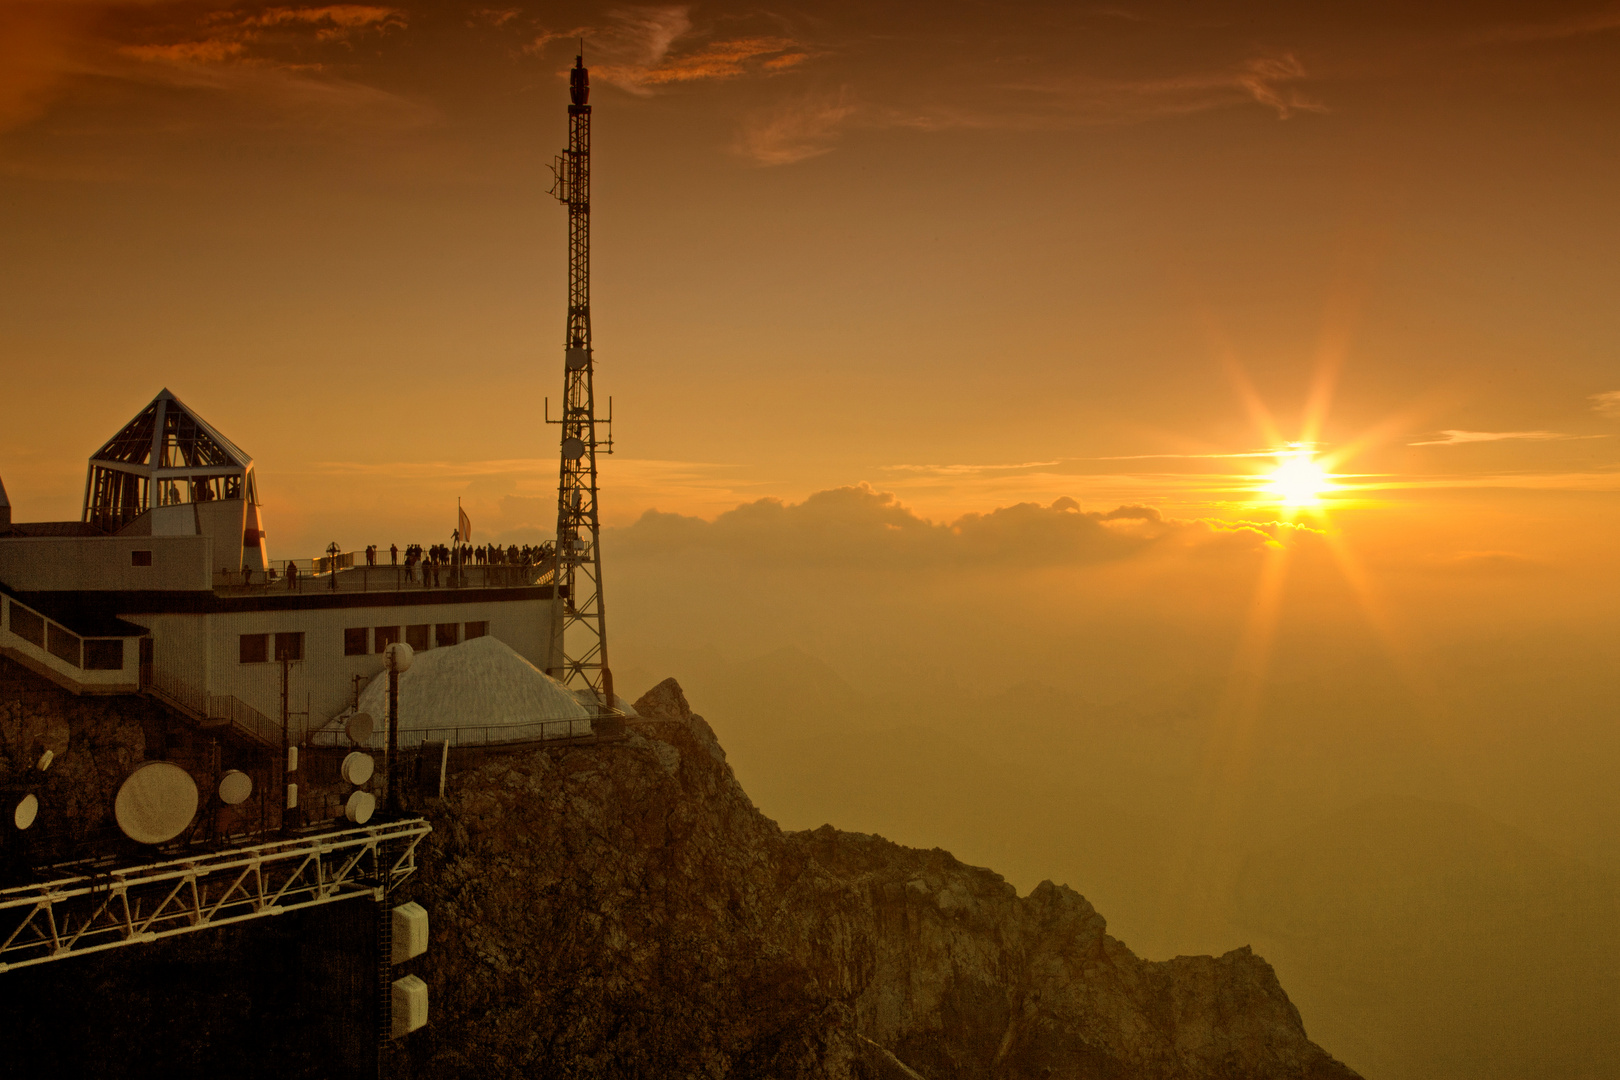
[52,563]
[204,650]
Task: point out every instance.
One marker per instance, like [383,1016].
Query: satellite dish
[26,811]
[398,656]
[577,359]
[360,807]
[235,787]
[156,803]
[45,760]
[573,449]
[360,727]
[358,767]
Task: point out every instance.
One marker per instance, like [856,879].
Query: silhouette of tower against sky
[580,643]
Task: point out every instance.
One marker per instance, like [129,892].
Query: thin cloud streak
[1455,437]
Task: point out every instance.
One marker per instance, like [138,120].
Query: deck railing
[384,578]
[543,730]
[45,633]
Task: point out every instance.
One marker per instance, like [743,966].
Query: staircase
[213,711]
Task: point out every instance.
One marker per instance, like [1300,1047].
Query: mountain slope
[625,910]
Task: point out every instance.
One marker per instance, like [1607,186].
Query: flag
[463,524]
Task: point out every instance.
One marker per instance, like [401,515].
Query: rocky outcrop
[624,910]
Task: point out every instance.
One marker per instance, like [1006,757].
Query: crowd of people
[429,564]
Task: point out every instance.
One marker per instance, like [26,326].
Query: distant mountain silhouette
[1431,941]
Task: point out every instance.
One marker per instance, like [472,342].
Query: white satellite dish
[359,728]
[360,807]
[156,803]
[235,787]
[358,767]
[398,656]
[26,811]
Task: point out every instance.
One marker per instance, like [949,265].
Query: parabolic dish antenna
[360,807]
[235,787]
[156,803]
[358,767]
[398,656]
[26,811]
[359,728]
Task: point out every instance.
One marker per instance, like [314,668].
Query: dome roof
[482,688]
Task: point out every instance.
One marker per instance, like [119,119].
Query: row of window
[255,648]
[360,640]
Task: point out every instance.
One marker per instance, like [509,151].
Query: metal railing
[383,578]
[544,730]
[213,710]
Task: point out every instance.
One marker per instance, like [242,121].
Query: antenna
[577,562]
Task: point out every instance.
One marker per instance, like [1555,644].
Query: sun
[1299,480]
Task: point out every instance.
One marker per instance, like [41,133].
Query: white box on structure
[410,925]
[410,1005]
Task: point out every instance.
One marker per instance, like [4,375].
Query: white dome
[477,685]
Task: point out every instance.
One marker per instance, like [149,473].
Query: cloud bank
[862,526]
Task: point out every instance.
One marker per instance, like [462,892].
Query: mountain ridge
[626,910]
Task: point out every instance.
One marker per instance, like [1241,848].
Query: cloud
[859,525]
[495,16]
[188,52]
[795,130]
[1266,79]
[334,22]
[1454,437]
[45,47]
[1586,23]
[1607,404]
[969,470]
[639,49]
[1084,99]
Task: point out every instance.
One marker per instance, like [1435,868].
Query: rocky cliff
[625,910]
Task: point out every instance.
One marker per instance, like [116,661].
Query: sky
[951,348]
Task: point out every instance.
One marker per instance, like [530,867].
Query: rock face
[624,910]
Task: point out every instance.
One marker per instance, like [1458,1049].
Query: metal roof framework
[87,913]
[166,454]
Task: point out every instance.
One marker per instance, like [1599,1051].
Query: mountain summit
[625,910]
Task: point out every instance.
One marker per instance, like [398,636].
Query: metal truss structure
[133,905]
[579,552]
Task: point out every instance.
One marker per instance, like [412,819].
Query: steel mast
[578,561]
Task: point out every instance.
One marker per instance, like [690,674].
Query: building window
[255,648]
[417,636]
[290,646]
[476,629]
[446,633]
[384,637]
[140,558]
[357,641]
[104,655]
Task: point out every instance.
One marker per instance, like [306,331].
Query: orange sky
[910,270]
[968,255]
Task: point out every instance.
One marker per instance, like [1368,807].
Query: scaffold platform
[132,905]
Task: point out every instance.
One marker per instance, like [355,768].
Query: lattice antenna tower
[580,644]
